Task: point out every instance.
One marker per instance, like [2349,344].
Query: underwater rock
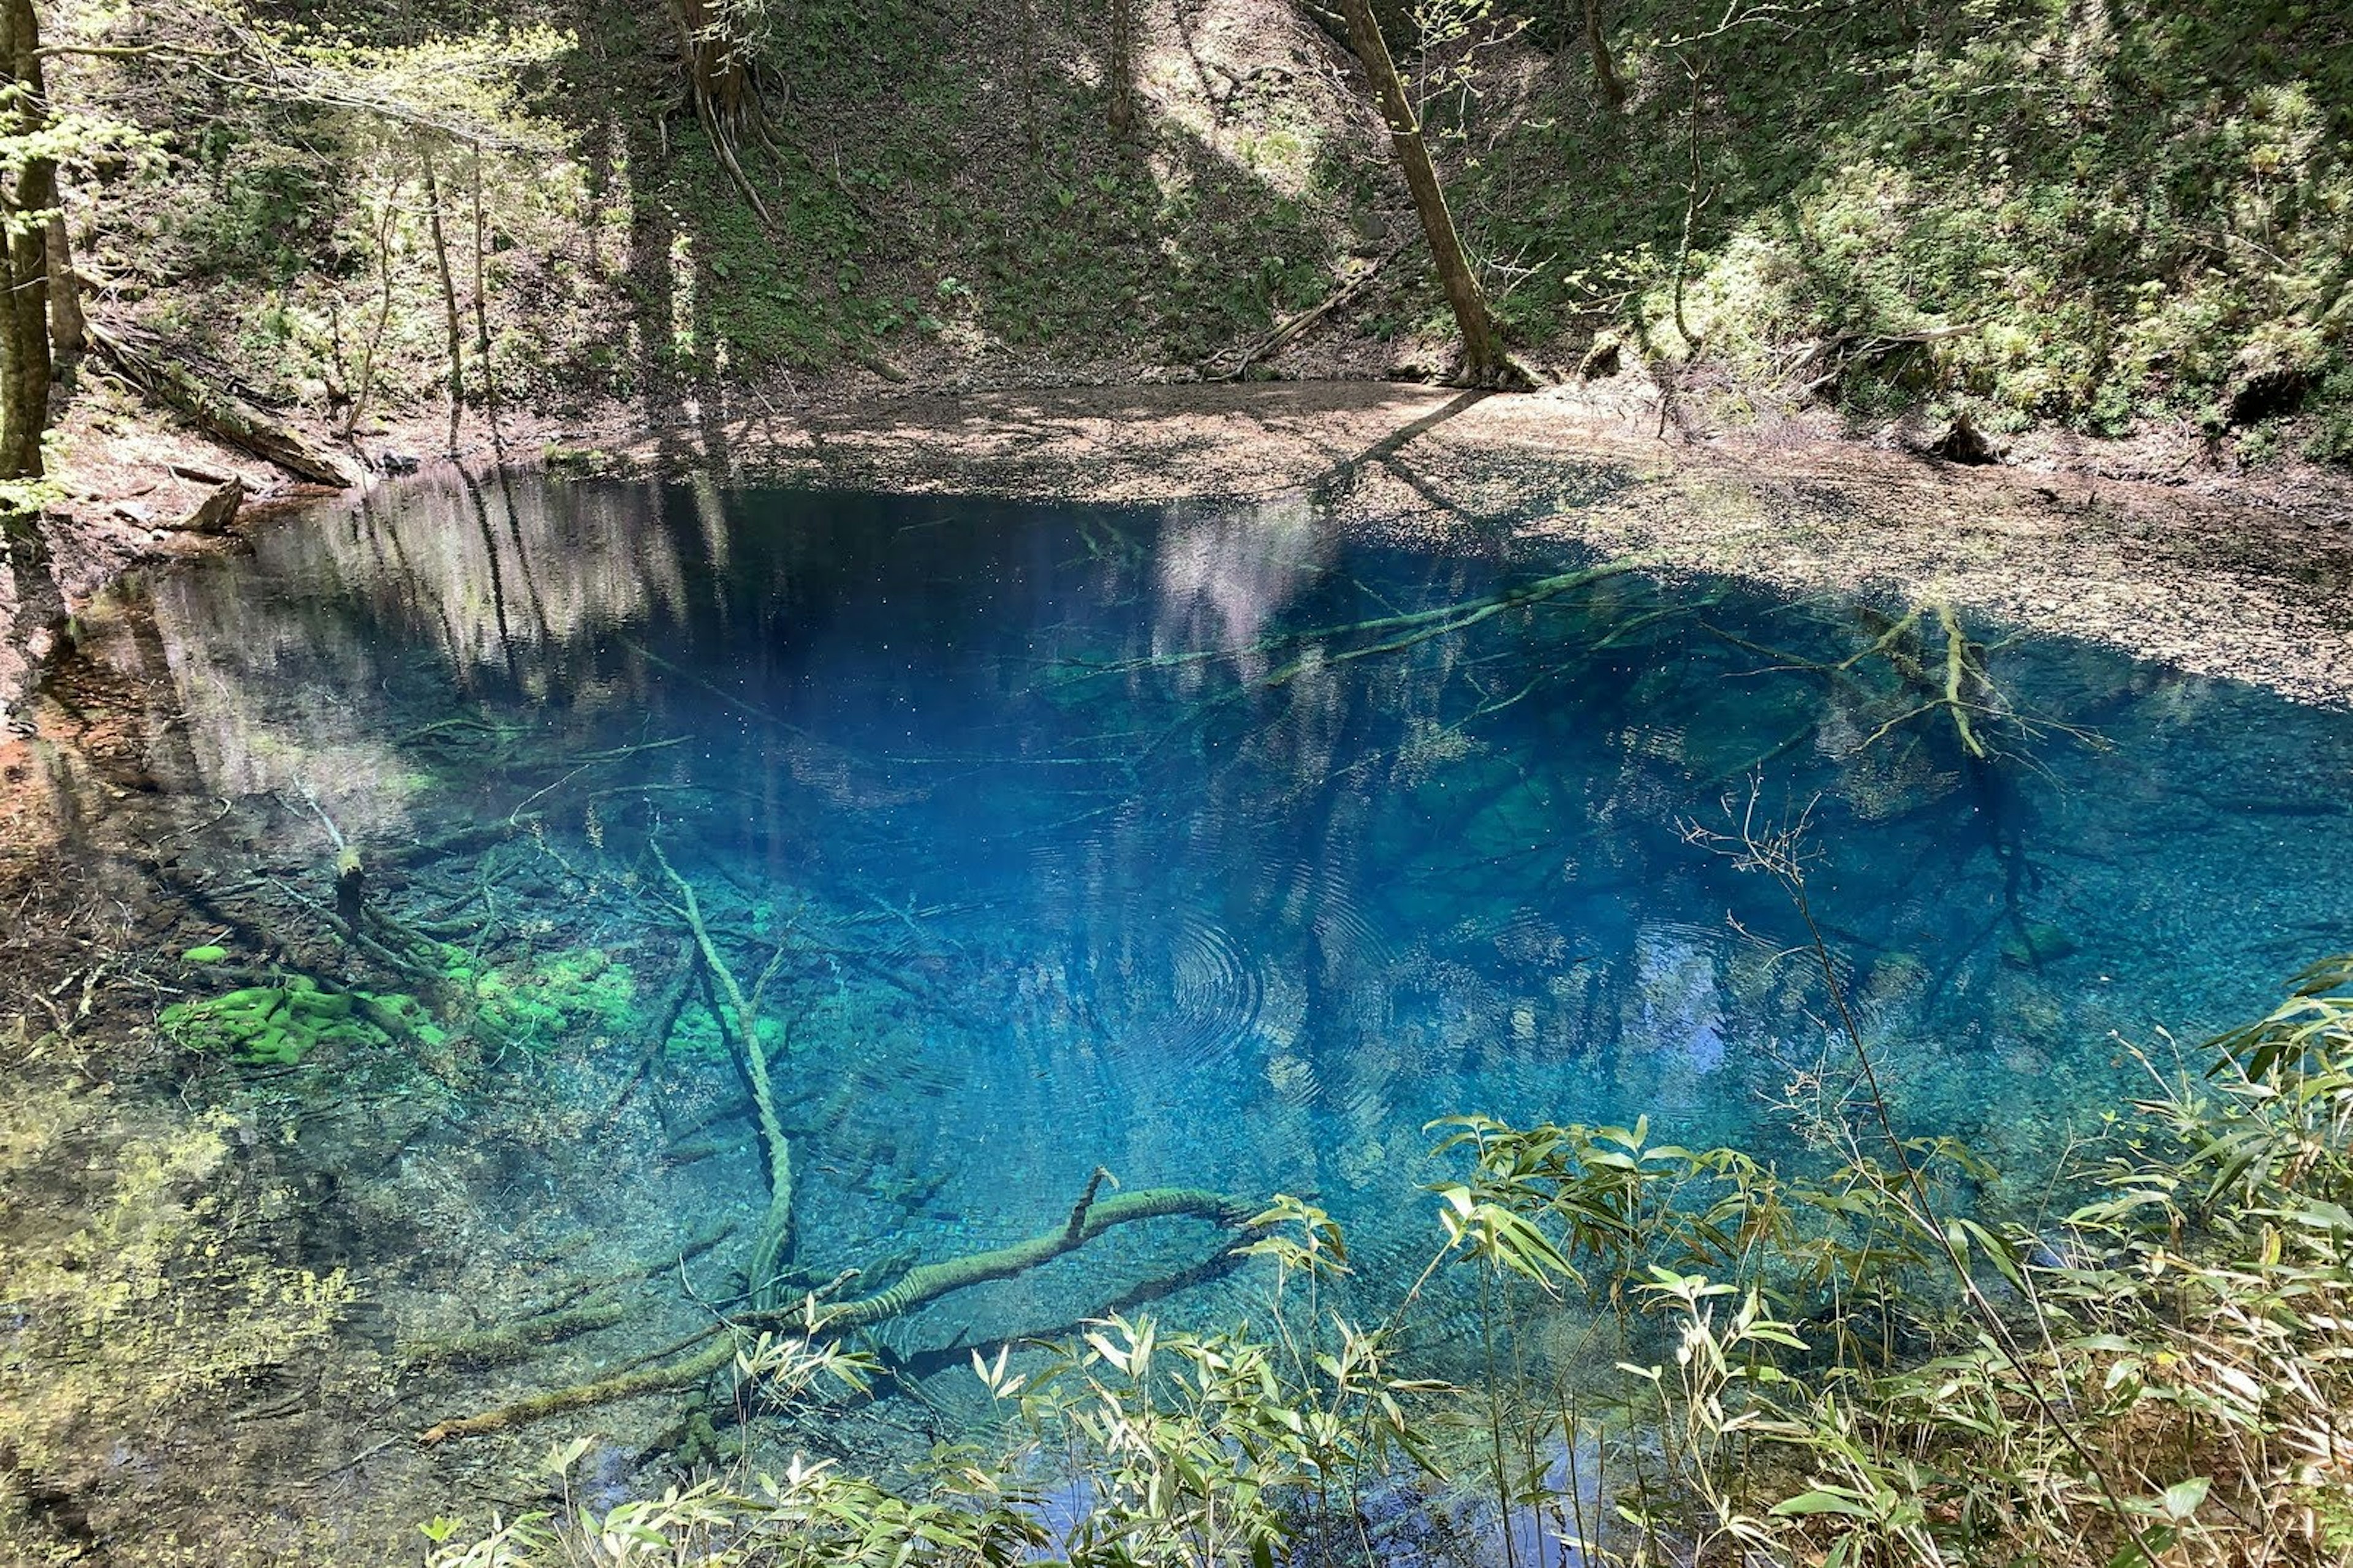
[2036,943]
[1678,1006]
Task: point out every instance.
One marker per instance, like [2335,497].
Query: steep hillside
[2105,219]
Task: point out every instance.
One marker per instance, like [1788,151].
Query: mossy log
[928,1282]
[774,1245]
[655,1379]
[514,1342]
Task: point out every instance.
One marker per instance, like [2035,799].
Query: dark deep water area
[1216,845]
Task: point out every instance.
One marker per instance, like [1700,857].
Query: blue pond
[1224,846]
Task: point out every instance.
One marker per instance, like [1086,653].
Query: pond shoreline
[2135,544]
[2238,577]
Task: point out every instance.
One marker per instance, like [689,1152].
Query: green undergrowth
[2096,217]
[1688,1355]
[2033,212]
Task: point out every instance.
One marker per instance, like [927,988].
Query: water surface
[1218,845]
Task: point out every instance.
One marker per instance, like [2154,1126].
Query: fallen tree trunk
[691,1360]
[1285,332]
[216,409]
[922,1285]
[929,1282]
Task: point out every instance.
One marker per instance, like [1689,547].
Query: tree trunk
[449,296]
[487,383]
[1484,361]
[1605,70]
[384,217]
[24,312]
[1118,67]
[66,336]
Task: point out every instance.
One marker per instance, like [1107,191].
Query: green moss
[697,1037]
[561,994]
[205,954]
[277,1026]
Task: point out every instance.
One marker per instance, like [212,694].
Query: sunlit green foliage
[2046,211]
[2020,208]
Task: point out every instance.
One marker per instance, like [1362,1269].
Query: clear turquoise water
[1094,843]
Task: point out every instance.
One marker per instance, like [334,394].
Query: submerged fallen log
[214,408]
[719,1344]
[691,1360]
[1089,1219]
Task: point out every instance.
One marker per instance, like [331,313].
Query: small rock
[214,512]
[396,462]
[1601,360]
[2036,943]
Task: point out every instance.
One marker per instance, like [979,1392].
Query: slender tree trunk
[449,295]
[1604,69]
[366,380]
[25,365]
[1484,361]
[482,303]
[66,336]
[1693,203]
[1118,67]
